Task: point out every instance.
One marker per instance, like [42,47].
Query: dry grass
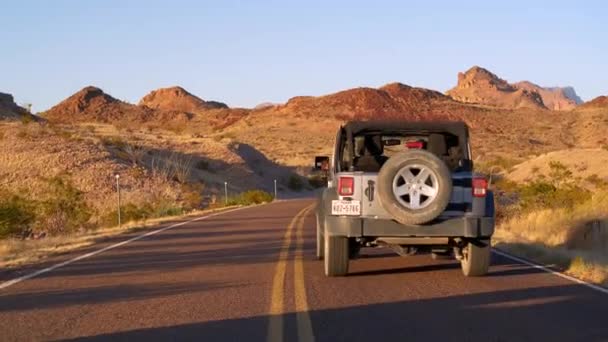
[15,252]
[574,239]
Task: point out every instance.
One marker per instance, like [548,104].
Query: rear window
[446,146]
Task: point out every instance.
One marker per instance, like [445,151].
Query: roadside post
[226,192]
[275,189]
[117,176]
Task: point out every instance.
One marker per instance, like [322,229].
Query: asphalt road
[251,275]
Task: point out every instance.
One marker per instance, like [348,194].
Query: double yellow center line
[277,299]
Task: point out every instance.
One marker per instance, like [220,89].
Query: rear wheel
[476,259]
[320,240]
[335,255]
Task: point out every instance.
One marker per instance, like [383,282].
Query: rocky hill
[600,102]
[394,100]
[556,98]
[480,86]
[9,109]
[92,104]
[178,99]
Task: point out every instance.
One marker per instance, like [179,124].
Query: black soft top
[457,128]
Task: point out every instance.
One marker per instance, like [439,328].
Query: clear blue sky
[247,52]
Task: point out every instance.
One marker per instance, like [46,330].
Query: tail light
[414,144]
[480,187]
[346,186]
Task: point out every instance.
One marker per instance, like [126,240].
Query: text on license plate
[340,207]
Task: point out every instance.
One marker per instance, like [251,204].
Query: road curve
[251,275]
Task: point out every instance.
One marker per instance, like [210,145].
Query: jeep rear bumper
[470,227]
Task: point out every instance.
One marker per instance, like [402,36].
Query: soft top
[458,128]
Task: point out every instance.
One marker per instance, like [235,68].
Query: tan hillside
[178,99]
[478,85]
[590,123]
[556,98]
[9,109]
[583,163]
[31,155]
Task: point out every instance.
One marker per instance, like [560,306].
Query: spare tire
[414,186]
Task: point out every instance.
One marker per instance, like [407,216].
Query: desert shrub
[559,173]
[134,153]
[27,119]
[294,183]
[167,208]
[191,195]
[16,215]
[128,213]
[64,210]
[202,165]
[545,194]
[317,181]
[175,167]
[597,181]
[251,197]
[113,142]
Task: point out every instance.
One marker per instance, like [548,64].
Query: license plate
[340,207]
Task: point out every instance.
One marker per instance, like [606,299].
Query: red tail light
[480,187]
[346,186]
[414,144]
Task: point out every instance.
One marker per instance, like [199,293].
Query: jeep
[408,186]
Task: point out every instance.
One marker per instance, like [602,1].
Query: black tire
[335,255]
[476,259]
[389,171]
[320,239]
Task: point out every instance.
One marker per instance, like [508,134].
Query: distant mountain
[480,86]
[556,98]
[177,98]
[9,109]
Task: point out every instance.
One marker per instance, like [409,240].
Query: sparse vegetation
[203,165]
[251,197]
[16,215]
[549,222]
[294,183]
[173,167]
[597,181]
[26,119]
[113,141]
[62,210]
[317,181]
[134,153]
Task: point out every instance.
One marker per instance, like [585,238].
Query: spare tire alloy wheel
[414,186]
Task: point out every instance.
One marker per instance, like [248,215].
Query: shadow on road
[513,315]
[102,294]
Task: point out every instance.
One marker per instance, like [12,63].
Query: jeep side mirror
[321,163]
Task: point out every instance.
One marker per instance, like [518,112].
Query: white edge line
[548,270]
[107,248]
